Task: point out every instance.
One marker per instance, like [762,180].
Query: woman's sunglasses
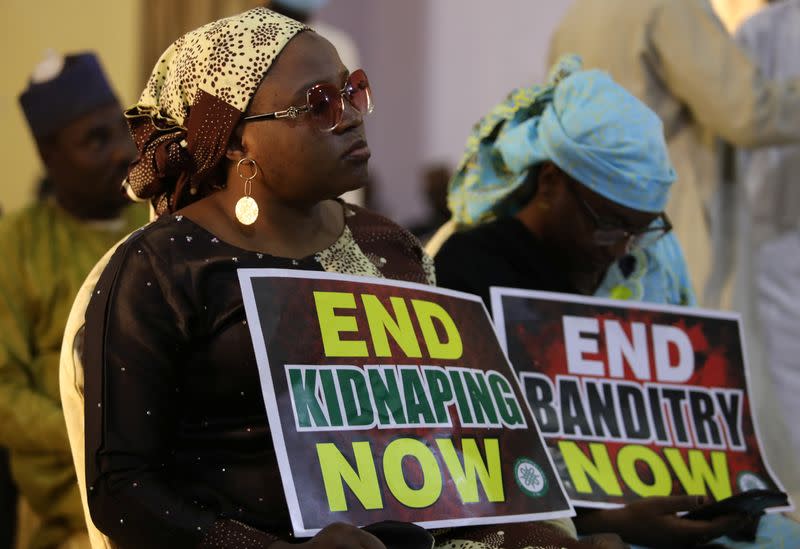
[325,103]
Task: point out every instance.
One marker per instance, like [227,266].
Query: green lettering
[441,392]
[481,398]
[416,400]
[505,400]
[307,409]
[331,397]
[387,396]
[355,396]
[465,414]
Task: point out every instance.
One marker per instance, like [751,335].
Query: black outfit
[8,503]
[501,253]
[177,437]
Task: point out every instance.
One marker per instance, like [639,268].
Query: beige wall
[28,27]
[734,12]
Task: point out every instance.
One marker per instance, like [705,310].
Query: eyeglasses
[611,234]
[325,103]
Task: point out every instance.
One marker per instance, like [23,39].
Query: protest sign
[634,399]
[393,400]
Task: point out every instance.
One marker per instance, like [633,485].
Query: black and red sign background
[530,326]
[290,329]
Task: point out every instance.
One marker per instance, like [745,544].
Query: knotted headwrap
[196,95]
[582,121]
[604,138]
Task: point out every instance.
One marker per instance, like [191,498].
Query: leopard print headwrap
[196,95]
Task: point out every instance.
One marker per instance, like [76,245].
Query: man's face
[572,224]
[87,161]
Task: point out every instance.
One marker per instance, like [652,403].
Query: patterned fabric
[46,256]
[582,121]
[659,275]
[175,257]
[600,135]
[232,533]
[196,95]
[521,535]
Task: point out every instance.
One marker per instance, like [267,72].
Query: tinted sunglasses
[325,103]
[609,234]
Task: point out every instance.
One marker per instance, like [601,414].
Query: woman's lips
[358,151]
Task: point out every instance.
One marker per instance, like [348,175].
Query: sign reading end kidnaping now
[392,400]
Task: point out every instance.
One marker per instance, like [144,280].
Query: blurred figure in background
[676,56]
[47,249]
[8,503]
[436,178]
[8,498]
[769,229]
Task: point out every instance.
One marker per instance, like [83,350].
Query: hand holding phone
[752,502]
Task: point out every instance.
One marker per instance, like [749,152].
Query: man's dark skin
[86,162]
[652,521]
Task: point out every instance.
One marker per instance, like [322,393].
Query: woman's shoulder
[148,246]
[369,226]
[488,238]
[399,253]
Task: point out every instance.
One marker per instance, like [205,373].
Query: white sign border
[273,415]
[498,292]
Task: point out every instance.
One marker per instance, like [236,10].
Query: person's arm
[653,522]
[701,64]
[134,323]
[30,421]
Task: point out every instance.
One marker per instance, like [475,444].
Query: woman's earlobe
[234,154]
[236,149]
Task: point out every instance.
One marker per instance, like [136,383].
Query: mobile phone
[751,502]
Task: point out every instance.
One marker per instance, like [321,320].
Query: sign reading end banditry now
[634,399]
[392,400]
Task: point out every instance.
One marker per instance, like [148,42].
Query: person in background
[8,504]
[47,249]
[676,57]
[436,178]
[563,188]
[768,260]
[305,12]
[8,498]
[242,184]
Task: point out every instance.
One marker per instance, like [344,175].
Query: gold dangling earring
[246,207]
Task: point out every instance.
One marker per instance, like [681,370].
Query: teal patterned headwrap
[603,137]
[582,121]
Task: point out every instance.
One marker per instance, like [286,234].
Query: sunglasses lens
[359,93]
[326,106]
[610,237]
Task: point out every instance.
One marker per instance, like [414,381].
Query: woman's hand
[336,536]
[653,522]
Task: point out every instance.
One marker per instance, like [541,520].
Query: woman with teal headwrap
[562,188]
[587,131]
